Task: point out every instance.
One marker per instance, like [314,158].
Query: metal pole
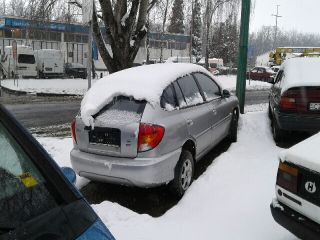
[191,32]
[243,54]
[276,30]
[89,60]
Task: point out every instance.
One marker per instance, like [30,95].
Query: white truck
[50,63]
[24,66]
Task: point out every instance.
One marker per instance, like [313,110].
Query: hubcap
[186,174]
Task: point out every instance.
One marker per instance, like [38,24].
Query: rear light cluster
[298,99]
[149,136]
[73,131]
[287,177]
[289,98]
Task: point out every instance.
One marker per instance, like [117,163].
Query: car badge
[311,187]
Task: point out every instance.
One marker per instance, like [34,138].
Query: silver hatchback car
[139,143]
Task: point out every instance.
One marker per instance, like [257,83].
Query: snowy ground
[79,86]
[229,201]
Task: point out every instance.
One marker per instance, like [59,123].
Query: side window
[279,76]
[190,90]
[180,97]
[210,89]
[24,194]
[167,100]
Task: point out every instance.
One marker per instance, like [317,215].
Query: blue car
[38,199]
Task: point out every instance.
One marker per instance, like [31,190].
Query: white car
[297,203]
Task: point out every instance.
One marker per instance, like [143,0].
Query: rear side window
[190,90]
[180,98]
[25,58]
[24,194]
[210,89]
[167,100]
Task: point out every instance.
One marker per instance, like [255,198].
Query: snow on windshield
[300,72]
[142,83]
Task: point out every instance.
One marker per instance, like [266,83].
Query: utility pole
[276,30]
[191,32]
[243,54]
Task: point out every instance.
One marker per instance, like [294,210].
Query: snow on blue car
[38,200]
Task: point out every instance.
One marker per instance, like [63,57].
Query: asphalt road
[52,115]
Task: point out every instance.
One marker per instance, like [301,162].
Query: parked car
[294,99]
[76,70]
[149,125]
[261,73]
[49,63]
[275,68]
[25,65]
[297,203]
[37,199]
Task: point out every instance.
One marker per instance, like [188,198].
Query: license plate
[105,136]
[314,106]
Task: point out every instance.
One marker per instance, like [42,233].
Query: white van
[50,63]
[25,65]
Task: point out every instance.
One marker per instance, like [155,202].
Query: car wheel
[183,174]
[278,134]
[233,132]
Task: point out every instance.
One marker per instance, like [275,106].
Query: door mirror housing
[69,174]
[226,93]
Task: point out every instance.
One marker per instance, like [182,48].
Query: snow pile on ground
[229,201]
[142,83]
[230,82]
[53,86]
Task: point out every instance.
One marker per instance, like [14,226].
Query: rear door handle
[189,122]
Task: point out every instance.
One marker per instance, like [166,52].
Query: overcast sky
[300,15]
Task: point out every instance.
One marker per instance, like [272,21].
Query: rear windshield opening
[26,58]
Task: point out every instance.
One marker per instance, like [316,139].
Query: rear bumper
[296,122]
[296,223]
[140,172]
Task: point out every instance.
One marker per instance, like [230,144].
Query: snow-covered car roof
[300,72]
[304,154]
[142,83]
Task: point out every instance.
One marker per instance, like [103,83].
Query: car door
[218,106]
[275,92]
[195,112]
[254,73]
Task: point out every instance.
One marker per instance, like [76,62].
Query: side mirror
[69,174]
[226,93]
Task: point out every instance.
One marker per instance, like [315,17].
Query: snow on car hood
[300,72]
[142,83]
[306,153]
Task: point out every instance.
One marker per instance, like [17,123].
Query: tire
[233,132]
[183,174]
[277,133]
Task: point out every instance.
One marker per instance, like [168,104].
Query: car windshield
[23,194]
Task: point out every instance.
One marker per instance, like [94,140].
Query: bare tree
[125,28]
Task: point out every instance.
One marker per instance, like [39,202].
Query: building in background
[72,40]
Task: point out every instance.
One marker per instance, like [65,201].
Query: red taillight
[73,130]
[149,136]
[287,102]
[287,177]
